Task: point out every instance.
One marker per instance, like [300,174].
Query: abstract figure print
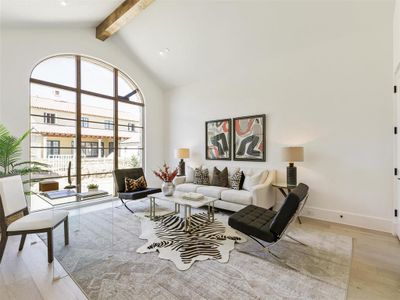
[249,138]
[218,139]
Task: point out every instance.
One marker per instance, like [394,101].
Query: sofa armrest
[179,180]
[263,194]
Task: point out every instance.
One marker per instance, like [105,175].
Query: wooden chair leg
[22,242]
[66,232]
[3,243]
[50,256]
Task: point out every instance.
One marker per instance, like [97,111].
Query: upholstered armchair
[134,173]
[269,226]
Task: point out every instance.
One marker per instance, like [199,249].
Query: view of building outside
[54,126]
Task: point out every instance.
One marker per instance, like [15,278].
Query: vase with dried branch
[167,176]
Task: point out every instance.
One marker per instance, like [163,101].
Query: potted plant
[166,176]
[10,155]
[92,187]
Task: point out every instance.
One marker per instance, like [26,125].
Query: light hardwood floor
[27,275]
[375,269]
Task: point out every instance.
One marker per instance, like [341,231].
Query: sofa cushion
[211,191]
[241,197]
[220,178]
[187,187]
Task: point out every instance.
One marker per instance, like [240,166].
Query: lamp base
[291,175]
[181,168]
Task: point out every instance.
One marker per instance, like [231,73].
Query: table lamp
[291,155]
[182,153]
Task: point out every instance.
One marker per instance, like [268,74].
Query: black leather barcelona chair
[269,226]
[134,173]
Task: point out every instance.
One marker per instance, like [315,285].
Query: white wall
[330,91]
[396,36]
[23,48]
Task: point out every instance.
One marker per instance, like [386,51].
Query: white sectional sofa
[261,194]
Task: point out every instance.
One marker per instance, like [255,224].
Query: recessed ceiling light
[63,3]
[164,52]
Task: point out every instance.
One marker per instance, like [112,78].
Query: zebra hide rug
[207,241]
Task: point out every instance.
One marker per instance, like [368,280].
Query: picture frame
[249,138]
[218,139]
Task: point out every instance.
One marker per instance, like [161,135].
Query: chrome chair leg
[268,249]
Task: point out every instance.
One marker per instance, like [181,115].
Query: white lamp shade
[182,153]
[292,154]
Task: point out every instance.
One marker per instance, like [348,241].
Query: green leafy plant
[10,155]
[92,186]
[134,162]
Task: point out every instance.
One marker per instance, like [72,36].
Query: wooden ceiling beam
[121,16]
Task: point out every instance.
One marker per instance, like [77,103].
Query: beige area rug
[102,258]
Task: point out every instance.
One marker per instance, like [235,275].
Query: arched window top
[58,69]
[96,76]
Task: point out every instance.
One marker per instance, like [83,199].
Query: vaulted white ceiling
[55,12]
[205,37]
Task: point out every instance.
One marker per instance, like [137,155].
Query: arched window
[87,120]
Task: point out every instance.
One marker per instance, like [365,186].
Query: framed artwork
[249,138]
[218,139]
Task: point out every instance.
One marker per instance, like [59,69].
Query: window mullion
[115,119]
[78,125]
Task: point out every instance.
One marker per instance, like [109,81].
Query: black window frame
[108,125]
[131,127]
[49,118]
[85,122]
[113,125]
[53,147]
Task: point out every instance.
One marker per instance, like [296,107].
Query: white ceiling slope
[75,13]
[207,38]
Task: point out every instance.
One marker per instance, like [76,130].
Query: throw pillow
[201,176]
[235,180]
[252,180]
[242,178]
[220,178]
[189,174]
[132,185]
[205,177]
[197,179]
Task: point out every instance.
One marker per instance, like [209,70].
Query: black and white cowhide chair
[12,202]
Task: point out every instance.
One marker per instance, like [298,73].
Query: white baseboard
[348,218]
